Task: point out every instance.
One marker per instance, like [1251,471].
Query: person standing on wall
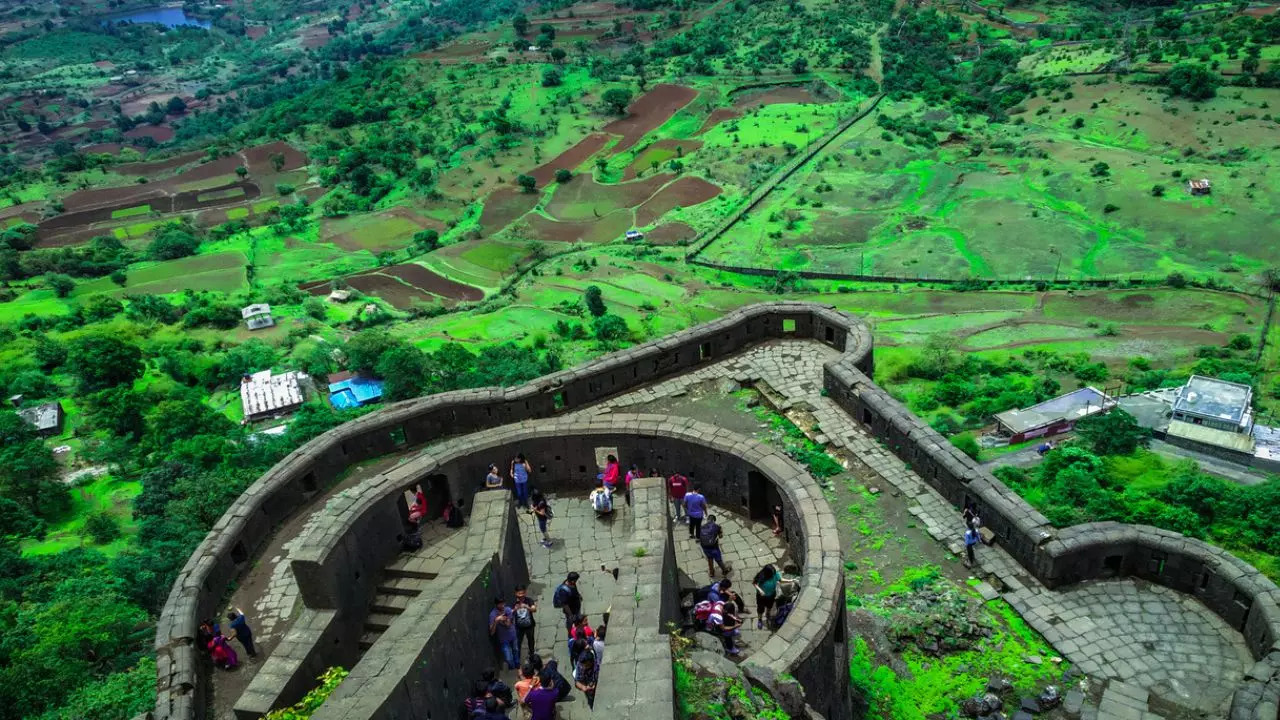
[542,511]
[568,600]
[520,470]
[766,584]
[971,539]
[695,505]
[610,475]
[240,626]
[493,480]
[522,610]
[709,538]
[677,486]
[632,474]
[503,631]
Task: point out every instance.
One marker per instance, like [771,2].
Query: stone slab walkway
[1122,630]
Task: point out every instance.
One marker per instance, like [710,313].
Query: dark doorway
[761,496]
[436,488]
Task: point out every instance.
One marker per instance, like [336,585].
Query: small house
[340,296]
[46,419]
[348,390]
[257,316]
[1215,403]
[1054,416]
[1199,187]
[635,235]
[263,395]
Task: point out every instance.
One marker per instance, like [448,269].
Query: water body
[167,16]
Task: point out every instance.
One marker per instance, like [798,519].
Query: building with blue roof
[350,391]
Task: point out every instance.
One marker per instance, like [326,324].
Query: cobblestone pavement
[1122,630]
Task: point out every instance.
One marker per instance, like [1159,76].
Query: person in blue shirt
[520,470]
[971,540]
[502,629]
[242,630]
[695,506]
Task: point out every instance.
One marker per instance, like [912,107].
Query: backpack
[561,598]
[780,615]
[708,536]
[524,618]
[706,609]
[600,502]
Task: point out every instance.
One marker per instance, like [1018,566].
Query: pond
[167,16]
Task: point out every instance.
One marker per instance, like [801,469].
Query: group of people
[972,531]
[719,609]
[450,515]
[541,685]
[210,637]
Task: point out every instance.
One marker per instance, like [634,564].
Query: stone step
[410,586]
[415,566]
[389,603]
[378,621]
[368,639]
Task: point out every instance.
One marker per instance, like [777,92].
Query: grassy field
[102,494]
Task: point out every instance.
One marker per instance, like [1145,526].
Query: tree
[800,66]
[102,361]
[17,520]
[1100,169]
[404,372]
[1249,64]
[27,468]
[558,55]
[173,241]
[242,171]
[102,527]
[367,348]
[521,24]
[967,445]
[594,300]
[426,240]
[527,183]
[119,277]
[1241,342]
[62,285]
[610,328]
[176,106]
[1157,190]
[1112,433]
[552,77]
[617,100]
[563,176]
[1192,81]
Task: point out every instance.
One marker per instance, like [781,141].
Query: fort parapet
[1229,587]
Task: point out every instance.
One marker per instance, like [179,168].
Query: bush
[101,527]
[1241,342]
[173,241]
[563,176]
[967,445]
[62,285]
[610,328]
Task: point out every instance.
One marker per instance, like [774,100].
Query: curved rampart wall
[337,561]
[233,542]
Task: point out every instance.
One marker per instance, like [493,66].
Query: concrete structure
[1052,417]
[46,419]
[257,316]
[358,538]
[263,395]
[1216,404]
[1199,187]
[350,391]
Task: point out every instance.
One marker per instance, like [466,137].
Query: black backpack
[709,535]
[524,618]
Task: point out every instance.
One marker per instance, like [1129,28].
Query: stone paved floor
[1123,630]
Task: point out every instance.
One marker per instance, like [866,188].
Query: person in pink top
[632,474]
[610,475]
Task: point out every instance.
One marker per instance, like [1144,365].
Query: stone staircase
[402,581]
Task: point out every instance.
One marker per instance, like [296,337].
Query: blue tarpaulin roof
[354,392]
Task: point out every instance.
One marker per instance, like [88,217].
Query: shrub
[101,527]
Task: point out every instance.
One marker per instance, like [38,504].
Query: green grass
[238,213]
[103,494]
[130,212]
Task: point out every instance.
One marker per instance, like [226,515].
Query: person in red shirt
[610,475]
[677,486]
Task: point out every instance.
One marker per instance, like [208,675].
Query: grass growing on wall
[311,702]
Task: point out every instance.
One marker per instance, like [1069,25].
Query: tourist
[580,632]
[568,600]
[473,704]
[452,514]
[709,538]
[971,538]
[420,500]
[632,474]
[777,520]
[417,510]
[551,672]
[520,470]
[609,478]
[528,681]
[723,591]
[503,631]
[542,699]
[601,500]
[204,634]
[677,486]
[722,623]
[522,610]
[766,584]
[542,511]
[498,689]
[598,646]
[585,675]
[492,710]
[223,655]
[695,506]
[240,626]
[969,513]
[493,480]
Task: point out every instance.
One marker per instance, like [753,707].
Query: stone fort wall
[336,563]
[1233,589]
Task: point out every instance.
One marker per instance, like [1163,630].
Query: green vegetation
[307,706]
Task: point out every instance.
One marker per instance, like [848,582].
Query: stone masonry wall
[335,561]
[429,656]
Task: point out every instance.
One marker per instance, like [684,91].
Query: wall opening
[239,553]
[788,325]
[1156,565]
[830,334]
[761,496]
[398,438]
[558,401]
[704,351]
[309,483]
[1204,580]
[436,488]
[866,416]
[1111,564]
